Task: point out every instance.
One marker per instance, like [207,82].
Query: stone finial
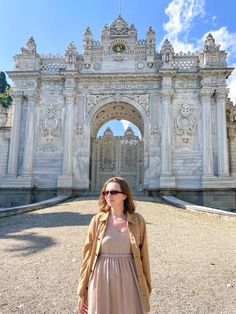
[167,47]
[210,45]
[105,31]
[133,31]
[88,32]
[150,31]
[167,52]
[150,37]
[30,47]
[71,49]
[70,54]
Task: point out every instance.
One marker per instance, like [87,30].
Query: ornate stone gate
[176,99]
[117,156]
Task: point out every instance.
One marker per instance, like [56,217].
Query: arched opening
[117,154]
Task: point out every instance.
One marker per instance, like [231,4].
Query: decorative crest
[30,48]
[210,45]
[119,27]
[166,47]
[71,49]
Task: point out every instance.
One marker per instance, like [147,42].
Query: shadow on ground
[31,242]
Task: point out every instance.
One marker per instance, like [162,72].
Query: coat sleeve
[144,254]
[86,263]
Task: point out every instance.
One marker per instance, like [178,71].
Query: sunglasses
[113,192]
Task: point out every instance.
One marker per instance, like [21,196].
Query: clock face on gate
[119,47]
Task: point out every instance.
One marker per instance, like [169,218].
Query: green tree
[3,82]
[5,98]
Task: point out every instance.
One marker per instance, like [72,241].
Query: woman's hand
[82,306]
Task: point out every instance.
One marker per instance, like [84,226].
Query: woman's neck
[118,212]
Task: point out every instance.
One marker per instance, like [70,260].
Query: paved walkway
[193,259]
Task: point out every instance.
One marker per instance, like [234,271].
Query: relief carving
[185,124]
[143,100]
[93,100]
[50,124]
[79,129]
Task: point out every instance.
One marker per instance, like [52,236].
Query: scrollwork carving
[143,100]
[185,123]
[50,124]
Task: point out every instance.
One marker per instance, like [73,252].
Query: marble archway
[116,155]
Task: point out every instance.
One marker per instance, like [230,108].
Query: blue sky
[55,23]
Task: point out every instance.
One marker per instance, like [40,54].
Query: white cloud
[181,15]
[226,39]
[232,86]
[125,124]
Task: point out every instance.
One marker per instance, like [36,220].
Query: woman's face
[115,200]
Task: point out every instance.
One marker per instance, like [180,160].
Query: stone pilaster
[32,99]
[207,149]
[209,180]
[166,178]
[12,179]
[15,134]
[66,179]
[222,147]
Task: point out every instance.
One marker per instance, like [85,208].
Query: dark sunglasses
[113,192]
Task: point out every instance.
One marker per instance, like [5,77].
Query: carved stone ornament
[119,27]
[155,131]
[79,129]
[185,123]
[167,47]
[71,49]
[50,124]
[119,49]
[143,100]
[210,45]
[48,148]
[30,48]
[93,100]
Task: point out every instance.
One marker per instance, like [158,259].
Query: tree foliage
[5,98]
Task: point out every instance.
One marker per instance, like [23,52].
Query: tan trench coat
[139,247]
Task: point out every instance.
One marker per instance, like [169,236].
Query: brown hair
[129,205]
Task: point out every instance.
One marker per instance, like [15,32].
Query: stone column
[32,99]
[207,149]
[222,147]
[15,134]
[66,180]
[166,179]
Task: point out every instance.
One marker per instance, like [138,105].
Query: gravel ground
[193,259]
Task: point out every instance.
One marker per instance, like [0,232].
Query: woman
[115,272]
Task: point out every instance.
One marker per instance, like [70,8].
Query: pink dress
[113,287]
